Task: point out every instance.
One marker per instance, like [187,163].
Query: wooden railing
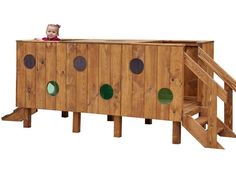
[215,90]
[229,85]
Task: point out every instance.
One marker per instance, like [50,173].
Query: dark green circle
[165,96]
[52,88]
[106,91]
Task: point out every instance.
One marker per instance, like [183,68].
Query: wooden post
[176,133]
[117,126]
[148,121]
[110,118]
[64,114]
[212,118]
[228,117]
[76,122]
[27,118]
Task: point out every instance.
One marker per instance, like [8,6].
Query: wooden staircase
[207,125]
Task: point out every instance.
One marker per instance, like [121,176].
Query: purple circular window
[29,61]
[136,65]
[80,63]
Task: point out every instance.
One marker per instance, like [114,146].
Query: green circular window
[165,96]
[106,91]
[52,88]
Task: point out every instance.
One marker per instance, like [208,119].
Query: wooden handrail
[204,77]
[216,68]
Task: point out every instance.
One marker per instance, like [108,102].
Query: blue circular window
[136,65]
[52,88]
[106,91]
[80,63]
[29,61]
[165,96]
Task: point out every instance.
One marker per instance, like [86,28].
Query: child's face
[52,31]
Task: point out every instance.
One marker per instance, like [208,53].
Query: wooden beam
[216,68]
[226,132]
[212,118]
[64,114]
[17,115]
[110,118]
[201,74]
[228,106]
[27,118]
[148,121]
[176,133]
[117,126]
[76,122]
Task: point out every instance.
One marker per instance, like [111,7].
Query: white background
[50,149]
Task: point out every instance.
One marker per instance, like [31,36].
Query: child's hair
[55,25]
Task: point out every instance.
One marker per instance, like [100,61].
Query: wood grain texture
[20,75]
[82,80]
[176,83]
[163,79]
[138,84]
[40,76]
[76,122]
[71,78]
[228,107]
[150,71]
[30,74]
[104,73]
[126,82]
[50,72]
[93,87]
[190,79]
[115,102]
[61,75]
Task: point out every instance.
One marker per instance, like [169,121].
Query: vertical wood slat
[212,117]
[138,84]
[150,100]
[61,76]
[163,75]
[50,72]
[76,122]
[70,78]
[20,75]
[176,133]
[117,126]
[203,91]
[40,75]
[93,90]
[176,83]
[104,68]
[228,107]
[126,81]
[30,98]
[115,102]
[190,79]
[82,80]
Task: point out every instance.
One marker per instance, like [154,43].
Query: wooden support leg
[148,121]
[212,119]
[110,118]
[64,114]
[117,126]
[228,119]
[176,133]
[27,118]
[76,122]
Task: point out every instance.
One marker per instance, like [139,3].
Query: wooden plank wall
[203,91]
[134,95]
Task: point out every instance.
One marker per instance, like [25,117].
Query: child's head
[52,30]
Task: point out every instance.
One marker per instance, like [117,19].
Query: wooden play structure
[166,80]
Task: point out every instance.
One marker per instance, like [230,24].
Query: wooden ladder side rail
[198,132]
[216,68]
[229,85]
[204,77]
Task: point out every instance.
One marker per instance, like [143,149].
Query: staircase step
[202,120]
